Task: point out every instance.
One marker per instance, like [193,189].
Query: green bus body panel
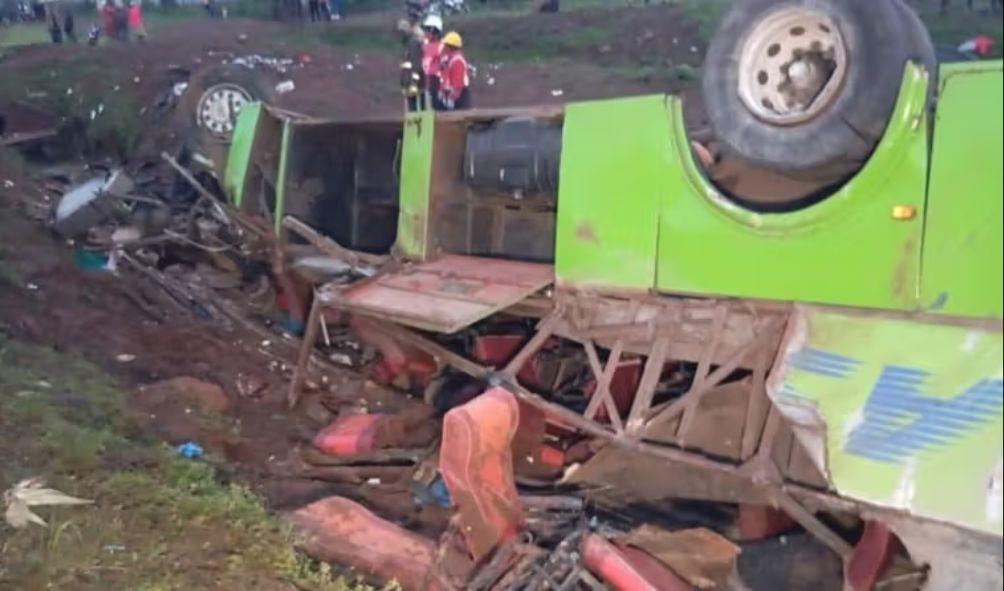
[416,176]
[614,171]
[280,183]
[901,413]
[846,249]
[239,156]
[963,248]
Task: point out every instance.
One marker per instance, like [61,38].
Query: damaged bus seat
[341,531]
[476,461]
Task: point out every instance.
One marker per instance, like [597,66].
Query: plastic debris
[557,92]
[32,493]
[280,65]
[435,493]
[980,45]
[126,234]
[125,358]
[285,86]
[191,450]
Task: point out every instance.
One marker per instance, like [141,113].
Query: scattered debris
[699,556]
[32,492]
[980,46]
[285,86]
[627,568]
[82,208]
[190,450]
[277,64]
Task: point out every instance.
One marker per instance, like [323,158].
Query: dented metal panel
[899,412]
[445,294]
[614,173]
[848,249]
[239,157]
[963,242]
[416,176]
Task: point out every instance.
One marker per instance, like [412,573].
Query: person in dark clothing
[68,27]
[122,23]
[55,31]
[412,76]
[337,9]
[315,10]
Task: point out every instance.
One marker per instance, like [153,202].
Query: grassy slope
[158,522]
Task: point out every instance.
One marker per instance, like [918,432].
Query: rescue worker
[412,79]
[432,50]
[136,21]
[455,77]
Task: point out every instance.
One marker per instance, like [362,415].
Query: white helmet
[433,21]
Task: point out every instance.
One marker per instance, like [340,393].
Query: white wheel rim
[792,66]
[219,106]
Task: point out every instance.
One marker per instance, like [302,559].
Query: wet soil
[46,299]
[520,60]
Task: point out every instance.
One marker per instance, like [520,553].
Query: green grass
[23,34]
[500,46]
[75,88]
[157,522]
[706,13]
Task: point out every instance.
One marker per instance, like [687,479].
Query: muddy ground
[351,70]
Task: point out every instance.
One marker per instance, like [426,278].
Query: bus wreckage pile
[674,369]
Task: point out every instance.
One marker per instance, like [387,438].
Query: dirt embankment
[352,69]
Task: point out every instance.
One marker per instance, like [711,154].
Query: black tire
[879,41]
[255,83]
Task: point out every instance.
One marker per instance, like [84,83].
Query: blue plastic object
[191,450]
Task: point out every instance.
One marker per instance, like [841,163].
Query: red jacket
[108,19]
[431,57]
[135,16]
[455,76]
